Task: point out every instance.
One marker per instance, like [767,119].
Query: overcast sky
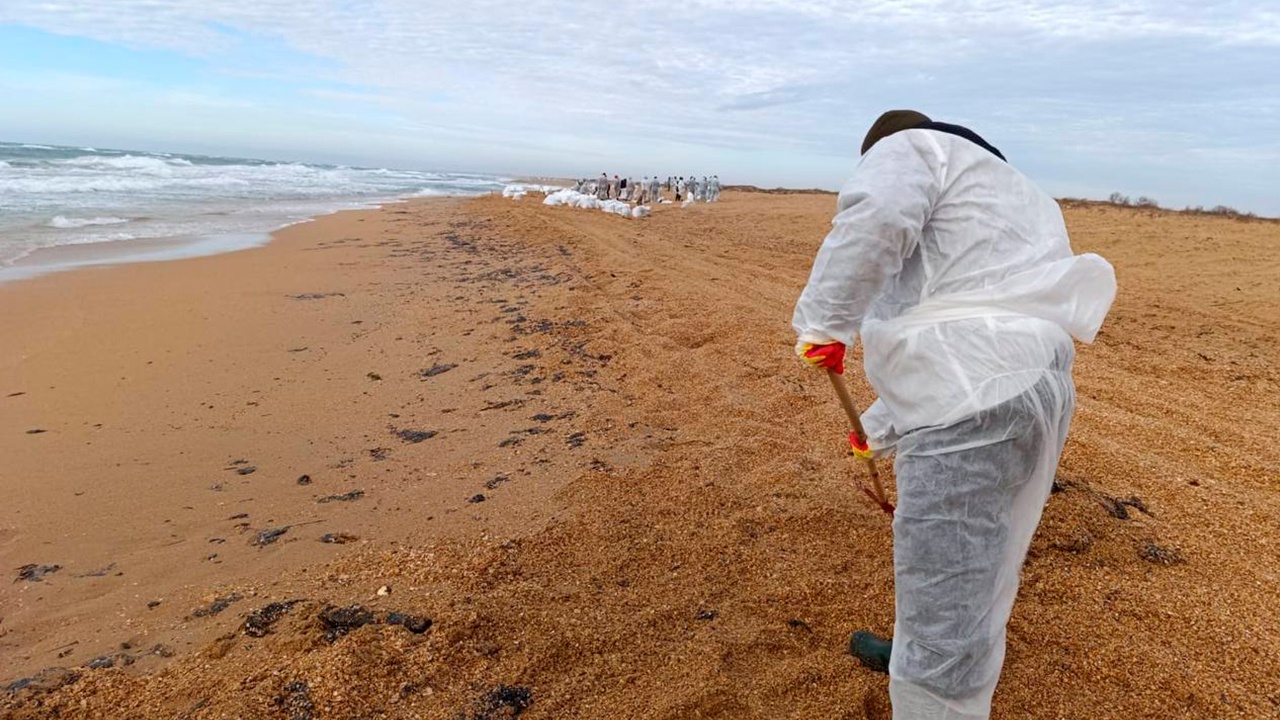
[1175,99]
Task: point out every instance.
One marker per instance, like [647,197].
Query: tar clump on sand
[45,681]
[110,661]
[259,622]
[1158,555]
[35,573]
[436,369]
[416,436]
[338,621]
[217,606]
[345,497]
[295,701]
[1118,508]
[502,703]
[798,624]
[413,623]
[266,537]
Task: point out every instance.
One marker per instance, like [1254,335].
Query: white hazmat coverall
[958,274]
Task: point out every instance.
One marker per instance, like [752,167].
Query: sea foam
[65,223]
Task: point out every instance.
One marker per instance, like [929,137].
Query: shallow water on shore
[69,257]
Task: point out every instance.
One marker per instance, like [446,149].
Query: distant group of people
[650,190]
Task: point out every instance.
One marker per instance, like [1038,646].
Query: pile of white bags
[515,192]
[571,198]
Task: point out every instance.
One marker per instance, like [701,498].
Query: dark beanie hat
[890,123]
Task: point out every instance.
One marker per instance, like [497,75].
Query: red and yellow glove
[859,447]
[828,356]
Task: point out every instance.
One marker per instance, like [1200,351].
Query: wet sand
[581,446]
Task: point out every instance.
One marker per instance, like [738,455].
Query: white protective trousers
[969,499]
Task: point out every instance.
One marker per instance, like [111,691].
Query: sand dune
[585,451]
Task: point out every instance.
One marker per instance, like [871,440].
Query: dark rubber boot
[871,650]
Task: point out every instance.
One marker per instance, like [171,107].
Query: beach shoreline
[75,256]
[127,391]
[582,446]
[81,206]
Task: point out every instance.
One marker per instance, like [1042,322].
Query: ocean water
[52,196]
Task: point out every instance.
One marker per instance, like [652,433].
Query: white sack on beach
[560,197]
[617,207]
[640,211]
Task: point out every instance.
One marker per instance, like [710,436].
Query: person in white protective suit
[655,190]
[602,187]
[958,275]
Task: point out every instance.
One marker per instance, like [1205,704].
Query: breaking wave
[65,223]
[63,195]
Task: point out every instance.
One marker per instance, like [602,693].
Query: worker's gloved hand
[859,446]
[828,356]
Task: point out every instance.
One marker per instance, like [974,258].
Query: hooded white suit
[958,274]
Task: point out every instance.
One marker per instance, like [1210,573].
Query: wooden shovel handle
[877,492]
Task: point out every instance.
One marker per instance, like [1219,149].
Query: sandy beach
[582,448]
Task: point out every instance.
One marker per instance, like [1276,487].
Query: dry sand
[670,527]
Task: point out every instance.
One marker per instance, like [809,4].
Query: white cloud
[767,78]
